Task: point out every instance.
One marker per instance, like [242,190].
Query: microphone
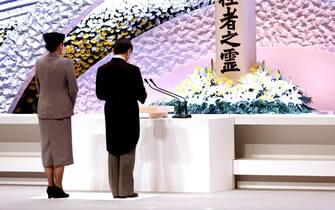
[179,108]
[176,95]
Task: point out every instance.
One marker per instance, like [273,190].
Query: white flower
[212,100]
[278,88]
[195,100]
[260,85]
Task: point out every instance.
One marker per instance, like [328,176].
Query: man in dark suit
[120,84]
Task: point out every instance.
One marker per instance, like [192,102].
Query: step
[288,119]
[13,119]
[285,167]
[21,164]
[23,181]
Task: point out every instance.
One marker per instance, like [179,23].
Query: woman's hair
[122,45]
[53,40]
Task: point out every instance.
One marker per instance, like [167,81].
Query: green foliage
[243,107]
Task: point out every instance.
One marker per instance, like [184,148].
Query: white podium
[173,155]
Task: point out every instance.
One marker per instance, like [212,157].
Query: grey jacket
[57,87]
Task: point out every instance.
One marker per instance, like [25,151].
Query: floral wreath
[259,91]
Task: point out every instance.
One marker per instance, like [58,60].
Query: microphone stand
[178,115]
[186,115]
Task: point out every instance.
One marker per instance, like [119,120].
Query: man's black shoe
[133,195]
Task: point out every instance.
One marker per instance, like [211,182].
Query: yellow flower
[104,33]
[107,42]
[277,75]
[220,92]
[84,56]
[69,50]
[86,65]
[124,33]
[138,32]
[74,42]
[73,37]
[150,26]
[197,70]
[90,60]
[253,69]
[209,73]
[268,70]
[216,80]
[101,53]
[224,80]
[93,41]
[229,83]
[86,36]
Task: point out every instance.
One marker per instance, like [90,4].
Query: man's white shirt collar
[118,56]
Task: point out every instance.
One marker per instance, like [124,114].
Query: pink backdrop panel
[310,69]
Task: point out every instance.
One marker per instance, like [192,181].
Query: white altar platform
[207,153]
[173,155]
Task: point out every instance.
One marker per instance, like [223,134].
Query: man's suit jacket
[120,84]
[57,87]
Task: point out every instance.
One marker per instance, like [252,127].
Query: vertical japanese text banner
[235,25]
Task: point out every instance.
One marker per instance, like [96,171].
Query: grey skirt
[56,142]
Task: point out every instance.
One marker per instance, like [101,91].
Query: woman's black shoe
[59,193]
[50,191]
[56,192]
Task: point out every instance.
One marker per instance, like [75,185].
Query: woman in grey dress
[57,87]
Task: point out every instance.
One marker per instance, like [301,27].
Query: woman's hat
[53,40]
